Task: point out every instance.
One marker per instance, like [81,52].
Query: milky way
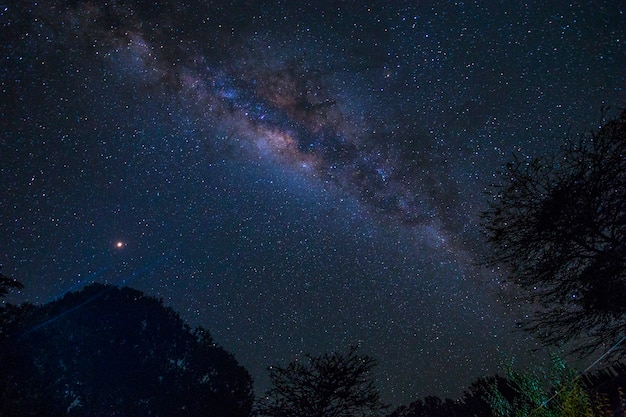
[296,178]
[286,113]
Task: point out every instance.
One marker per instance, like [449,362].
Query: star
[304,176]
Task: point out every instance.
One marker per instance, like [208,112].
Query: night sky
[294,177]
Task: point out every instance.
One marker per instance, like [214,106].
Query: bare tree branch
[558,224]
[331,385]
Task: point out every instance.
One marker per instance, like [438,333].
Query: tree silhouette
[7,283]
[474,402]
[331,385]
[558,223]
[115,352]
[554,392]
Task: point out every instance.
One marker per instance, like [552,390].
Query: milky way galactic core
[294,177]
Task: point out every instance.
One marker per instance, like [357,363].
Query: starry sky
[296,177]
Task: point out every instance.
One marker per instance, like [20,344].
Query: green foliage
[557,392]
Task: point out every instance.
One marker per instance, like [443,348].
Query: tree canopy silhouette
[558,223]
[115,352]
[6,283]
[474,402]
[331,385]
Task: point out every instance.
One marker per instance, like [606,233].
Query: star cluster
[295,177]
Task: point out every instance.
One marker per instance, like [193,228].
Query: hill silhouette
[114,351]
